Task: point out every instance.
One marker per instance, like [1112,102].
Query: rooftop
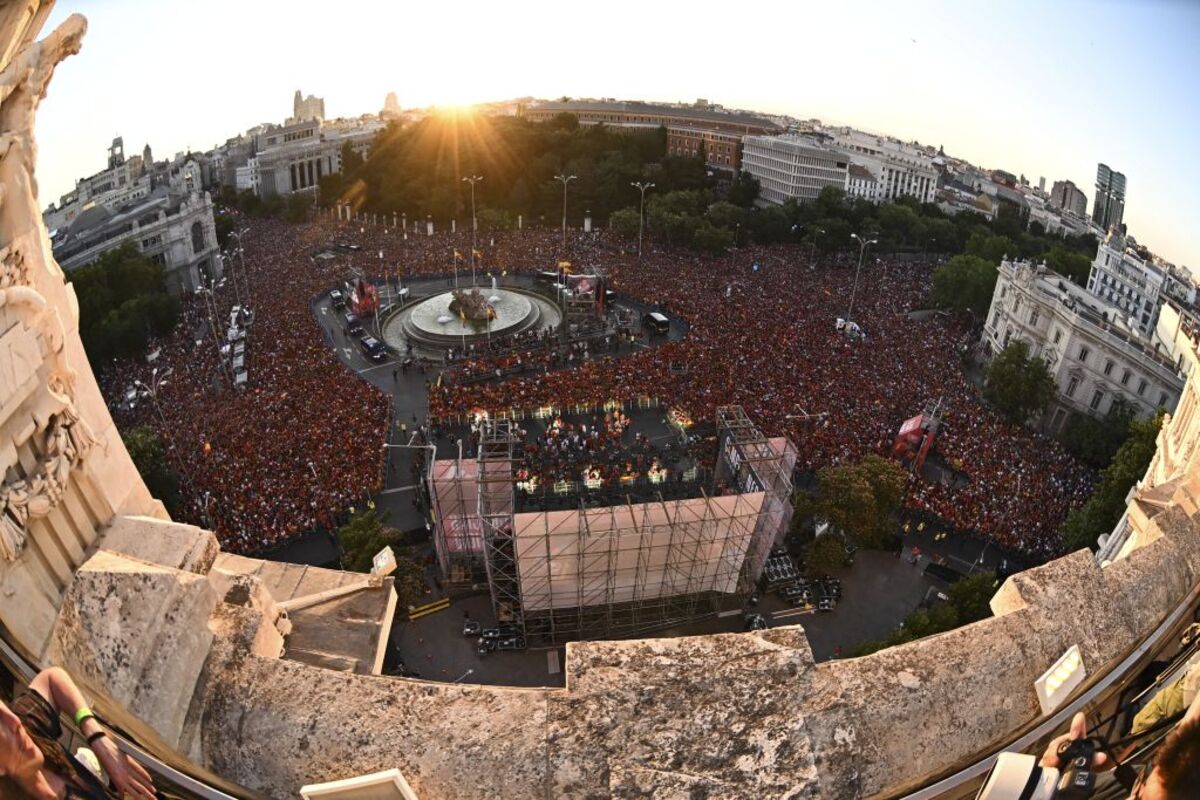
[634,107]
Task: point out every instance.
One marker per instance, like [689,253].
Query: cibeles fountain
[199,657]
[463,316]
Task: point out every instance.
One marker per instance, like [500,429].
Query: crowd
[294,448]
[304,441]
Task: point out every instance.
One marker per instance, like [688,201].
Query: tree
[1069,264]
[1096,441]
[968,600]
[965,283]
[990,248]
[1106,505]
[862,499]
[744,190]
[1017,384]
[625,222]
[362,537]
[712,239]
[123,303]
[825,553]
[146,449]
[225,225]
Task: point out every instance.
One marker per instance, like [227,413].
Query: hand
[1100,761]
[130,778]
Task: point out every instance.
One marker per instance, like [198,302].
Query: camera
[1016,776]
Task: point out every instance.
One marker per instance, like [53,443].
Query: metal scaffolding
[495,481]
[619,570]
[750,462]
[457,532]
[630,569]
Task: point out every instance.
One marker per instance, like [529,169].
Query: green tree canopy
[1017,384]
[1100,513]
[1096,441]
[123,303]
[861,499]
[625,221]
[146,449]
[825,553]
[965,283]
[969,600]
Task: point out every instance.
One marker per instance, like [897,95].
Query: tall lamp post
[565,180]
[862,248]
[641,186]
[473,179]
[241,251]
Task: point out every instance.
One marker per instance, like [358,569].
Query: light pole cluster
[641,186]
[862,249]
[474,179]
[565,180]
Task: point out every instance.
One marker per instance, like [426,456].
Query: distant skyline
[1043,89]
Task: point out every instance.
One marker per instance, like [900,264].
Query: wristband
[97,735]
[82,716]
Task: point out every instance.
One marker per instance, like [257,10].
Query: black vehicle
[500,632]
[373,348]
[337,298]
[657,322]
[353,325]
[486,646]
[471,628]
[755,622]
[510,643]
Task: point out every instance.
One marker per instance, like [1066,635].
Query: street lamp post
[241,251]
[641,186]
[565,180]
[812,243]
[862,249]
[473,179]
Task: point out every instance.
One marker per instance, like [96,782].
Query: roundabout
[464,316]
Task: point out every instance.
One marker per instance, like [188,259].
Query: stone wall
[95,579]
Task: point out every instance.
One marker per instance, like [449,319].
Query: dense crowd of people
[303,441]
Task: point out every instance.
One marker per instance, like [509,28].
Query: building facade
[1065,196]
[1109,208]
[793,167]
[650,115]
[1095,360]
[1130,283]
[305,109]
[900,169]
[294,158]
[176,231]
[722,150]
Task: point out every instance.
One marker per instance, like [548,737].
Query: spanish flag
[477,254]
[564,265]
[458,256]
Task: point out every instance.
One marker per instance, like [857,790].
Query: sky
[1036,88]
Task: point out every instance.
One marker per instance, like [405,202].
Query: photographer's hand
[1078,730]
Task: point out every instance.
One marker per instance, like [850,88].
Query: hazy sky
[1038,88]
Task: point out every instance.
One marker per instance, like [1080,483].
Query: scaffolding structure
[750,462]
[457,526]
[495,503]
[620,570]
[630,569]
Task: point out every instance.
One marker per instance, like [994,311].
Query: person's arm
[127,775]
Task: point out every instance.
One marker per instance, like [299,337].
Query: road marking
[348,352]
[377,366]
[324,310]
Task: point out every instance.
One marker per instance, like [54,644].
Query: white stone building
[900,169]
[1095,359]
[175,230]
[1132,284]
[294,158]
[247,179]
[793,167]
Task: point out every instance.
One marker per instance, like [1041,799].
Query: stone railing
[187,659]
